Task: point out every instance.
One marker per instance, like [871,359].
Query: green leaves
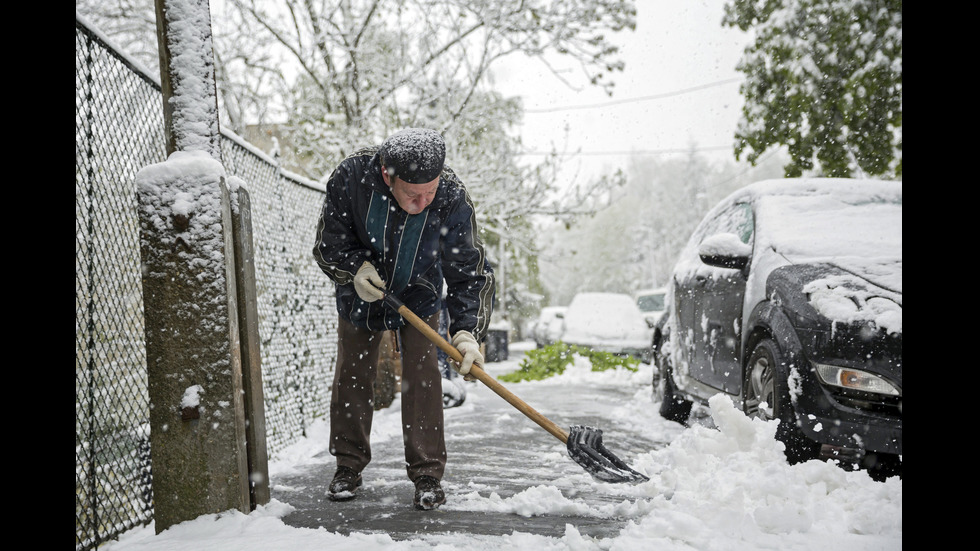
[823,79]
[552,360]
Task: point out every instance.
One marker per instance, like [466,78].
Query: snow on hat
[415,155]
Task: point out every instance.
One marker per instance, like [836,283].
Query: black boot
[344,482]
[428,493]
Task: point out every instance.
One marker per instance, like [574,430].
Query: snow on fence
[119,130]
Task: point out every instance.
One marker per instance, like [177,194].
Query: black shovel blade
[585,448]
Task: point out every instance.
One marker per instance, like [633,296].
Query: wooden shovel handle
[481,375]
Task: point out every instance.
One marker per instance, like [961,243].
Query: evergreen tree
[824,79]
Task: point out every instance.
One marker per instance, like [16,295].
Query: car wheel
[658,366]
[882,466]
[658,362]
[658,387]
[647,356]
[767,397]
[673,406]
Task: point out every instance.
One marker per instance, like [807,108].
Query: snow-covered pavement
[720,484]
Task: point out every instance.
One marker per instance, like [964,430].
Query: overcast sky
[679,87]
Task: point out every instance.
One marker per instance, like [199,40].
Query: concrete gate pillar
[195,304]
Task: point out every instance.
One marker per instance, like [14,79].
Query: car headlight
[855,379]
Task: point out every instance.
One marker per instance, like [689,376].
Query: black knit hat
[415,155]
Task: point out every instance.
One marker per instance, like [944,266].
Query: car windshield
[651,303]
[860,232]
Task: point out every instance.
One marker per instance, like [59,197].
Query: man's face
[413,198]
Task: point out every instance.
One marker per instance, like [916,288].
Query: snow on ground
[722,485]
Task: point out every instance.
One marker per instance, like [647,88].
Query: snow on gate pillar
[193,345]
[194,370]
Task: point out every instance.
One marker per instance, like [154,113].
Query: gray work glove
[465,342]
[367,283]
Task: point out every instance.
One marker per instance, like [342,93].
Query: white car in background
[548,329]
[608,322]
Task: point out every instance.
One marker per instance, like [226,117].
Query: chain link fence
[119,130]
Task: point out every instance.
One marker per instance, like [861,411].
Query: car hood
[879,274]
[825,291]
[846,247]
[841,318]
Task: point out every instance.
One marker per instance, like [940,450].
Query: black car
[788,299]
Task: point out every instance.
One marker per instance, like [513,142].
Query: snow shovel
[584,443]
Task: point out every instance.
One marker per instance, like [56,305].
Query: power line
[634,100]
[637,151]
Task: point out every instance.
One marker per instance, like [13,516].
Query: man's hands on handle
[469,349]
[370,287]
[368,283]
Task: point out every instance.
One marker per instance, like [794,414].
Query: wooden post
[248,322]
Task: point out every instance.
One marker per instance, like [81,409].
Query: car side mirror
[725,250]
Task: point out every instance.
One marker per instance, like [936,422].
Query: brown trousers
[352,400]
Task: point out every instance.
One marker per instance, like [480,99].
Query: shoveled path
[493,449]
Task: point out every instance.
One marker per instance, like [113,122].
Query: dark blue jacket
[414,254]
